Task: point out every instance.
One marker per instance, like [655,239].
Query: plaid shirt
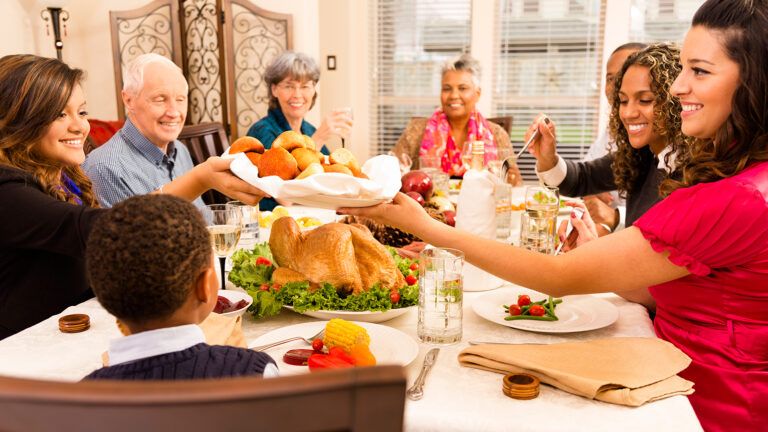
[129,164]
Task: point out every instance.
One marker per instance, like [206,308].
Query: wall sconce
[57,16]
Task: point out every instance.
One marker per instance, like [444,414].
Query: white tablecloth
[455,398]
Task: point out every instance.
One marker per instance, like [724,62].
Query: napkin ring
[521,386]
[74,323]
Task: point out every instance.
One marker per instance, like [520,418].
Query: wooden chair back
[356,399]
[505,122]
[203,141]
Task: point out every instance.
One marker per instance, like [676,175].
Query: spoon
[417,390]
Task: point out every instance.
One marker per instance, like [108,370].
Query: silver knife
[417,390]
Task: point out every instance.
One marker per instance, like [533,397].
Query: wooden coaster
[74,323]
[520,386]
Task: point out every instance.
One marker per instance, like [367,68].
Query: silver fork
[280,342]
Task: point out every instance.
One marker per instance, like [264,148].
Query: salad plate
[576,313]
[390,346]
[362,316]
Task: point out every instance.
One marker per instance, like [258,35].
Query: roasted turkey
[346,256]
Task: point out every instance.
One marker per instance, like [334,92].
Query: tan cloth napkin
[218,330]
[623,371]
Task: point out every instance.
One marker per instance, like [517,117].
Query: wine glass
[225,224]
[249,216]
[348,112]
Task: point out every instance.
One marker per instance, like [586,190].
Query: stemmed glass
[225,224]
[403,160]
[348,112]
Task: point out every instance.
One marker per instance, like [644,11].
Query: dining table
[456,398]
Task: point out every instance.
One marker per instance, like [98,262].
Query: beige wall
[16,27]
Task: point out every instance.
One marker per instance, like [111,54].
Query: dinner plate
[388,345]
[364,316]
[335,202]
[575,314]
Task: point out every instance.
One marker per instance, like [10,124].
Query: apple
[419,182]
[450,217]
[415,195]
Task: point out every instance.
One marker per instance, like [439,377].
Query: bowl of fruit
[232,303]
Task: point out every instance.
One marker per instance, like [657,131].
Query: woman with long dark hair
[48,205]
[702,251]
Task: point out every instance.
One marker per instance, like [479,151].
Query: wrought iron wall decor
[203,61]
[150,29]
[257,37]
[223,46]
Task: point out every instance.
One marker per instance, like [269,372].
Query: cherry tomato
[317,345]
[276,286]
[264,287]
[411,279]
[263,261]
[414,266]
[515,310]
[523,300]
[537,310]
[394,296]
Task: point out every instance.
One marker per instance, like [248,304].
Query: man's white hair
[134,75]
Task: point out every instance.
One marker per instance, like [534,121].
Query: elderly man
[144,155]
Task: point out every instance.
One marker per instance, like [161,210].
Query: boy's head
[149,259]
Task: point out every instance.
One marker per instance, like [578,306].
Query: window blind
[411,39]
[548,55]
[661,20]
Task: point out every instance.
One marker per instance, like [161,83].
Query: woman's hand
[601,213]
[403,213]
[583,229]
[513,172]
[336,123]
[544,146]
[214,173]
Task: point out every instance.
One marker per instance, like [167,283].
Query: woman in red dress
[703,250]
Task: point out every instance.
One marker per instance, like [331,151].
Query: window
[411,39]
[661,20]
[549,62]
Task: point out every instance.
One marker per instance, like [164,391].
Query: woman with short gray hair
[291,79]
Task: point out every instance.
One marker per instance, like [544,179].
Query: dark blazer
[596,176]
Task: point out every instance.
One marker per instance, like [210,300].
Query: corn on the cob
[344,334]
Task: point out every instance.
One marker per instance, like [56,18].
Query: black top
[198,361]
[596,176]
[42,252]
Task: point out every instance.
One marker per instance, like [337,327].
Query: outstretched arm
[621,262]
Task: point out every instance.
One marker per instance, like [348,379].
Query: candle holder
[58,17]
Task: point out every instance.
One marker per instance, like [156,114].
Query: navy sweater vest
[198,361]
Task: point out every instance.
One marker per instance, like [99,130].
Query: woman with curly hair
[703,250]
[48,205]
[644,124]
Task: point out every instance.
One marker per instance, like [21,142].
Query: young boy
[151,265]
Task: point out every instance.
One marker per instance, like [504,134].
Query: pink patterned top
[437,141]
[718,314]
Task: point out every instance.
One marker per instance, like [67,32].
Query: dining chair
[355,399]
[203,141]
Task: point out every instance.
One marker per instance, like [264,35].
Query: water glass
[249,235]
[429,161]
[538,223]
[502,195]
[440,296]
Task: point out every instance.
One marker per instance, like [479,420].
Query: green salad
[252,271]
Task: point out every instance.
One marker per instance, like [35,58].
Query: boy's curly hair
[629,165]
[144,255]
